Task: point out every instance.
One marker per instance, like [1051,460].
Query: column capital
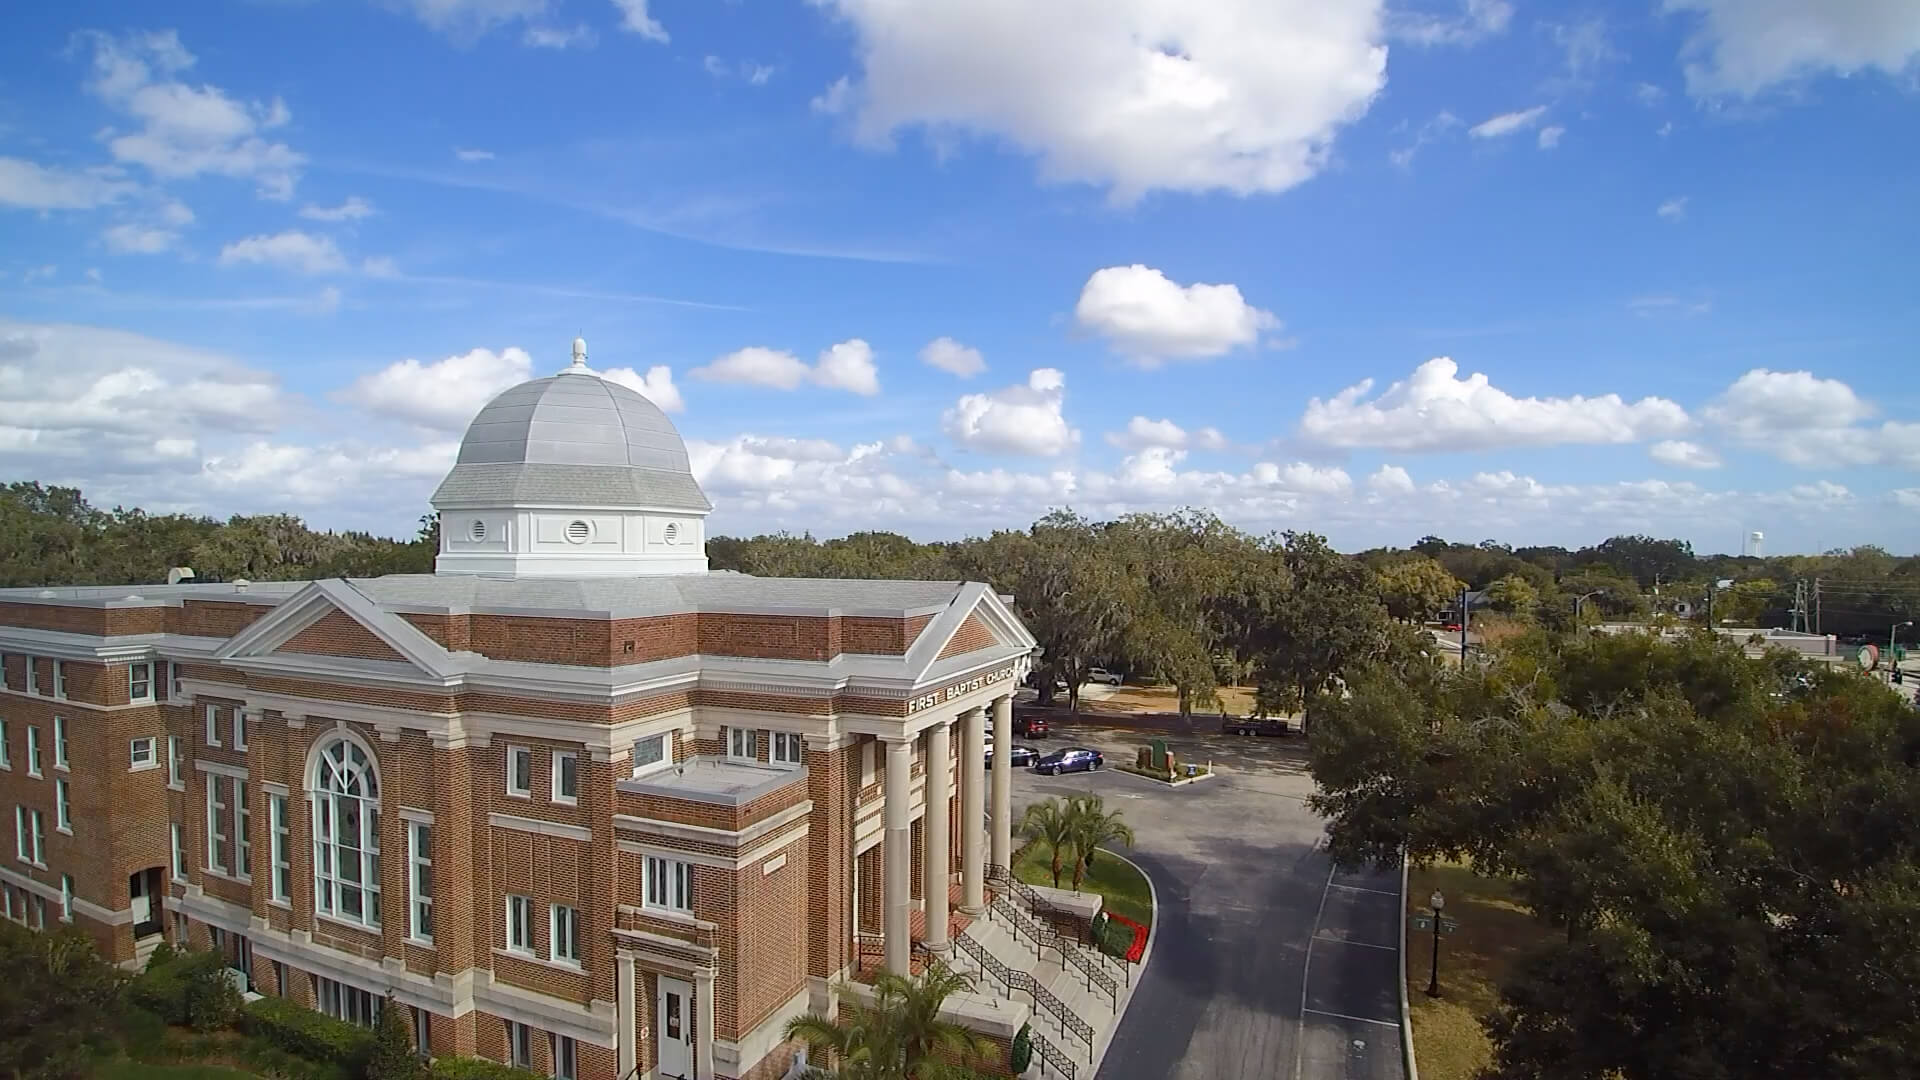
[892,741]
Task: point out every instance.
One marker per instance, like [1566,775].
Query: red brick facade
[773,877]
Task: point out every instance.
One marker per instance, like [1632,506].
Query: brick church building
[574,800]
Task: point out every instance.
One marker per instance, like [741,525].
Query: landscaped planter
[1138,947]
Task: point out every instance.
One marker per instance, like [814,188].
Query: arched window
[346,834]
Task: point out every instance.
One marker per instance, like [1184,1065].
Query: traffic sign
[1424,924]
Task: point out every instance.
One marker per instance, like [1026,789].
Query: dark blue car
[1071,759]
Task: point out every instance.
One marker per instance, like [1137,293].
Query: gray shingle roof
[654,594]
[508,484]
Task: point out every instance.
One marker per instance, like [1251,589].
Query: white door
[673,1029]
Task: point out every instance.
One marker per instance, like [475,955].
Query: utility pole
[1816,605]
[1463,627]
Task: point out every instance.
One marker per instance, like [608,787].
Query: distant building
[576,801]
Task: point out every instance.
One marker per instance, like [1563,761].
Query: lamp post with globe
[1436,901]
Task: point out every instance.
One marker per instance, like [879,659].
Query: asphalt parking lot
[1266,963]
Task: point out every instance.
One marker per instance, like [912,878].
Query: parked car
[1102,675]
[1255,725]
[1030,726]
[1019,757]
[1072,759]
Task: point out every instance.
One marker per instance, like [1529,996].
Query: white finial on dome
[580,353]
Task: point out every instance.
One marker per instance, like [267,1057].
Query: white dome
[573,418]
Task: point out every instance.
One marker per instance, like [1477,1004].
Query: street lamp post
[1579,600]
[1892,664]
[1436,901]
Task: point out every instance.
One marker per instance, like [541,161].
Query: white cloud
[1434,410]
[656,385]
[1667,304]
[1431,131]
[132,239]
[30,186]
[1021,419]
[560,37]
[318,475]
[835,99]
[1744,47]
[472,155]
[1683,455]
[1141,433]
[353,209]
[846,366]
[468,20]
[1507,123]
[380,266]
[93,274]
[1149,319]
[1674,209]
[952,357]
[187,131]
[176,213]
[444,394]
[1664,130]
[1390,480]
[39,273]
[1648,94]
[749,72]
[1908,498]
[635,20]
[1136,94]
[294,250]
[1806,420]
[1550,136]
[1478,20]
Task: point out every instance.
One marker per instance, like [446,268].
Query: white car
[1102,675]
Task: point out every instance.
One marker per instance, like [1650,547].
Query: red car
[1030,727]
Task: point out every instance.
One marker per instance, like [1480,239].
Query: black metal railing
[870,947]
[1023,925]
[1044,998]
[988,962]
[1050,1058]
[1093,970]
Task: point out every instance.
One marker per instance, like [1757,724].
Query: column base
[972,912]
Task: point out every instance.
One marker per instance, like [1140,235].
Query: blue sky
[1540,273]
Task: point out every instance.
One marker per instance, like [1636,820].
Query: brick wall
[973,634]
[338,634]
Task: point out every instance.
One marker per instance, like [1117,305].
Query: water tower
[1754,540]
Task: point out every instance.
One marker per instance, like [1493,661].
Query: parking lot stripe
[1350,941]
[1355,1019]
[1358,888]
[1306,969]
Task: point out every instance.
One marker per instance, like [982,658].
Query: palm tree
[1090,825]
[1051,823]
[900,1036]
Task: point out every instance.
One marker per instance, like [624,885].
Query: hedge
[305,1033]
[471,1068]
[1022,1049]
[186,989]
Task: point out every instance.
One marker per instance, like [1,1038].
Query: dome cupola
[573,475]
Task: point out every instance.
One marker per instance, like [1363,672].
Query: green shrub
[212,1000]
[1113,938]
[161,990]
[162,955]
[472,1068]
[393,1055]
[305,1033]
[1022,1048]
[143,1034]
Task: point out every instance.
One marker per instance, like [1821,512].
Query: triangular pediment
[977,620]
[331,618]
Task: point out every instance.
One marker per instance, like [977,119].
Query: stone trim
[536,825]
[733,1057]
[706,834]
[219,768]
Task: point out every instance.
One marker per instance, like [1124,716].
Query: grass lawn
[1237,699]
[1125,889]
[135,1070]
[1494,929]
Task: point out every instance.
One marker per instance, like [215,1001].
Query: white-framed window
[519,923]
[39,912]
[422,1032]
[343,1002]
[175,779]
[741,743]
[33,750]
[22,849]
[242,830]
[213,725]
[62,806]
[140,754]
[669,884]
[33,675]
[140,681]
[66,897]
[346,835]
[35,849]
[60,679]
[180,929]
[279,847]
[520,1038]
[566,1056]
[217,839]
[649,754]
[566,777]
[173,684]
[787,747]
[239,729]
[563,934]
[6,756]
[519,771]
[420,879]
[179,851]
[60,742]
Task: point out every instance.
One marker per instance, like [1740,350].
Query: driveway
[1266,964]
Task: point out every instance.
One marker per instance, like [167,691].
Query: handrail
[1044,998]
[1021,923]
[1049,1056]
[1046,935]
[988,962]
[1089,968]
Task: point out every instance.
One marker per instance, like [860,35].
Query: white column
[896,884]
[973,809]
[624,996]
[1003,782]
[937,829]
[703,1020]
